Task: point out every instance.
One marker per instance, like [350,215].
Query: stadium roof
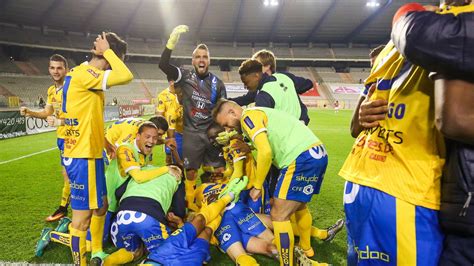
[247,21]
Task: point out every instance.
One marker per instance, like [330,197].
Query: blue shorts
[60,143]
[131,228]
[179,141]
[239,223]
[87,181]
[303,177]
[386,230]
[262,204]
[183,247]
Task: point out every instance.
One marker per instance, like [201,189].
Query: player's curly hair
[250,66]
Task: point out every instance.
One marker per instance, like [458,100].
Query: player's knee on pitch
[235,250]
[283,209]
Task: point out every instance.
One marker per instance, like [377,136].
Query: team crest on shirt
[249,122]
[92,72]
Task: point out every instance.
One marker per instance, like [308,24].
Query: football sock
[78,246]
[319,233]
[285,241]
[97,232]
[294,226]
[66,193]
[214,224]
[246,260]
[190,186]
[211,211]
[61,238]
[119,257]
[304,220]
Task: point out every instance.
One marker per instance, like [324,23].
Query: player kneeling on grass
[129,164]
[296,151]
[189,245]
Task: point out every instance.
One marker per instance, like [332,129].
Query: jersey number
[67,81]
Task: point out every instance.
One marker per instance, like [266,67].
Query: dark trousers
[458,250]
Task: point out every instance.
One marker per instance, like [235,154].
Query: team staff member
[200,92]
[58,69]
[169,107]
[296,151]
[83,107]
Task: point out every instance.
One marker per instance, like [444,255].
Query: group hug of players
[244,205]
[255,202]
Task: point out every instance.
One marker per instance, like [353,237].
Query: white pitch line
[29,155]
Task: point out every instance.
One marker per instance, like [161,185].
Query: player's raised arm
[119,73]
[172,71]
[47,111]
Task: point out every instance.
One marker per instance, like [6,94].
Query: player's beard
[201,71]
[236,125]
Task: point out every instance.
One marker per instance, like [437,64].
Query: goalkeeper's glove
[174,36]
[224,137]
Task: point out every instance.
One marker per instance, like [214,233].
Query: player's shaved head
[227,114]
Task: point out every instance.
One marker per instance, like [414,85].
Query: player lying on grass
[188,245]
[241,231]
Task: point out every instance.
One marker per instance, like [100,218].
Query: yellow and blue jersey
[173,112]
[124,130]
[55,99]
[403,156]
[83,105]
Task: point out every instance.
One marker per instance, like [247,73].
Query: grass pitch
[30,190]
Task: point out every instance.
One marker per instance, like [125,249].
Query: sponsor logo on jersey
[249,122]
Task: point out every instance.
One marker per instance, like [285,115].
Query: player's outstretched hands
[24,111]
[372,111]
[100,45]
[174,36]
[224,137]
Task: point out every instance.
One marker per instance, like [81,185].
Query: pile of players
[246,204]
